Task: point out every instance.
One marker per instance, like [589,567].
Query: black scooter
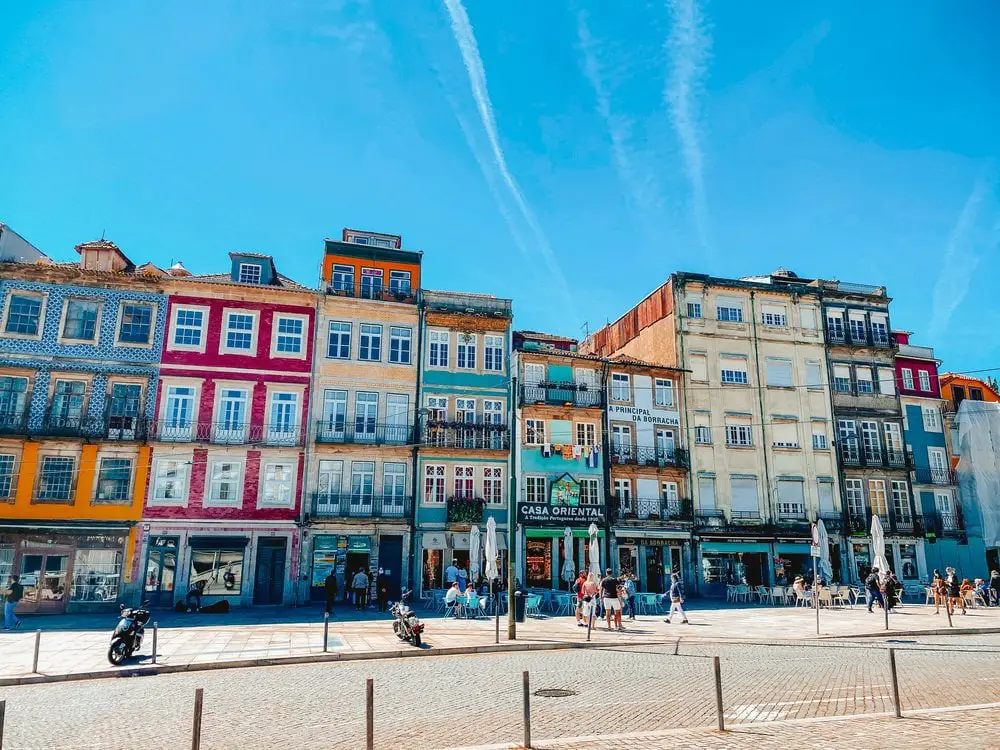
[127,638]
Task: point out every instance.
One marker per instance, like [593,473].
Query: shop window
[432,571]
[908,560]
[96,575]
[221,571]
[538,561]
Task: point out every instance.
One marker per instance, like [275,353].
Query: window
[975,394]
[220,569]
[835,325]
[791,499]
[785,434]
[371,283]
[738,434]
[393,486]
[819,440]
[281,427]
[907,378]
[729,309]
[706,493]
[925,380]
[623,491]
[397,418]
[277,485]
[465,481]
[434,483]
[136,323]
[855,493]
[534,431]
[188,324]
[7,476]
[80,322]
[399,283]
[465,354]
[825,489]
[493,485]
[871,441]
[231,422]
[621,388]
[734,372]
[370,342]
[773,315]
[493,353]
[694,308]
[901,501]
[169,481]
[668,491]
[586,433]
[437,348]
[338,345]
[621,442]
[24,314]
[239,331]
[864,380]
[893,440]
[880,329]
[67,404]
[779,372]
[703,434]
[842,378]
[178,414]
[225,483]
[814,375]
[856,327]
[113,480]
[13,398]
[877,496]
[808,317]
[932,418]
[699,367]
[331,481]
[362,483]
[399,345]
[365,415]
[938,462]
[249,273]
[289,336]
[588,492]
[886,381]
[534,490]
[664,392]
[343,279]
[745,504]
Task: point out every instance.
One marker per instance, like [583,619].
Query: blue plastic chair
[532,605]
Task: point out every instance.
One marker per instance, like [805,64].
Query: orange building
[956,387]
[368,265]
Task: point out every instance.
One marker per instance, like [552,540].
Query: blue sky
[567,155]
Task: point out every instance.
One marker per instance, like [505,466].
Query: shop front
[441,549]
[66,570]
[542,531]
[905,557]
[733,563]
[346,554]
[653,557]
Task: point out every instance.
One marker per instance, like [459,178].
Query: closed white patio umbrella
[569,567]
[594,552]
[474,553]
[878,548]
[825,564]
[492,572]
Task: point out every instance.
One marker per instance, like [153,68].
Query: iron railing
[224,433]
[649,456]
[946,524]
[358,290]
[852,453]
[650,510]
[474,304]
[893,522]
[927,475]
[360,505]
[58,425]
[14,422]
[562,394]
[470,436]
[363,432]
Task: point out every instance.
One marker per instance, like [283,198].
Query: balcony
[851,454]
[646,456]
[562,394]
[472,304]
[363,433]
[372,291]
[349,505]
[465,510]
[792,518]
[834,522]
[14,422]
[860,523]
[650,511]
[951,525]
[57,425]
[927,475]
[466,435]
[857,337]
[224,433]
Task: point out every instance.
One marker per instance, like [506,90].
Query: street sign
[814,550]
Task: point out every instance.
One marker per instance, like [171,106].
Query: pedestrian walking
[629,590]
[892,587]
[360,585]
[450,575]
[578,587]
[874,588]
[995,588]
[591,590]
[676,599]
[612,601]
[382,590]
[13,594]
[330,584]
[954,584]
[940,592]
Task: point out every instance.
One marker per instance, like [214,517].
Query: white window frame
[349,333]
[227,314]
[283,437]
[182,469]
[589,491]
[435,493]
[934,423]
[729,376]
[820,440]
[283,486]
[373,334]
[215,464]
[586,433]
[255,271]
[442,340]
[467,351]
[702,434]
[175,310]
[621,383]
[464,481]
[397,337]
[664,392]
[733,311]
[534,431]
[907,378]
[43,300]
[493,486]
[925,380]
[693,308]
[303,320]
[154,311]
[535,489]
[493,353]
[739,435]
[64,319]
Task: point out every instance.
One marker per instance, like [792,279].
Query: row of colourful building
[250,434]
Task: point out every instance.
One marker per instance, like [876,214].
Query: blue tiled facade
[47,355]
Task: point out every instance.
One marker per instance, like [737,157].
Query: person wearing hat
[676,599]
[13,594]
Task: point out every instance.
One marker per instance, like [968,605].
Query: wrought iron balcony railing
[653,510]
[927,475]
[946,524]
[853,454]
[562,394]
[14,422]
[360,505]
[650,456]
[893,522]
[469,436]
[372,291]
[225,433]
[363,432]
[59,425]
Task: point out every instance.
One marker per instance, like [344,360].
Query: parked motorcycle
[406,626]
[127,638]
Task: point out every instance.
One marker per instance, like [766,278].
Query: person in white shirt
[451,597]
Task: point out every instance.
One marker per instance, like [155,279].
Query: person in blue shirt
[629,586]
[676,599]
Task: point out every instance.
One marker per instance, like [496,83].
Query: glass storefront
[908,560]
[862,560]
[538,563]
[221,570]
[721,569]
[96,575]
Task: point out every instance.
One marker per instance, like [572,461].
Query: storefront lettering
[540,514]
[640,414]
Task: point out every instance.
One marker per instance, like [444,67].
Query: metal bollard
[590,619]
[718,692]
[326,630]
[527,712]
[199,698]
[3,710]
[38,645]
[370,714]
[895,683]
[155,626]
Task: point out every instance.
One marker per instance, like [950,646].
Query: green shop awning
[709,547]
[794,549]
[553,533]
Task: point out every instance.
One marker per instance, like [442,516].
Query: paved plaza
[77,645]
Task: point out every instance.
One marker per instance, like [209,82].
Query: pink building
[228,459]
[916,369]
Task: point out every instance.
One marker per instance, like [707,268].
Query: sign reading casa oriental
[563,507]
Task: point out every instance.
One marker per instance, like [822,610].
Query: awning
[218,542]
[434,540]
[359,544]
[558,533]
[459,541]
[793,549]
[651,534]
[748,547]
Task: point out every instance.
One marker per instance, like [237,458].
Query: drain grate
[555,693]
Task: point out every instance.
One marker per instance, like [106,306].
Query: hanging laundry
[577,451]
[592,459]
[558,447]
[546,450]
[567,452]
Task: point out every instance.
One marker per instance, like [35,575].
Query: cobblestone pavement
[475,700]
[78,644]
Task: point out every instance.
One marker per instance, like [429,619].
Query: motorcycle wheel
[416,640]
[118,651]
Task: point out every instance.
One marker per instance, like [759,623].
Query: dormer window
[249,273]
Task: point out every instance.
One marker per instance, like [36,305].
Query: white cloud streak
[466,40]
[960,257]
[688,45]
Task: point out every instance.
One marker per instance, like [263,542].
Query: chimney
[178,270]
